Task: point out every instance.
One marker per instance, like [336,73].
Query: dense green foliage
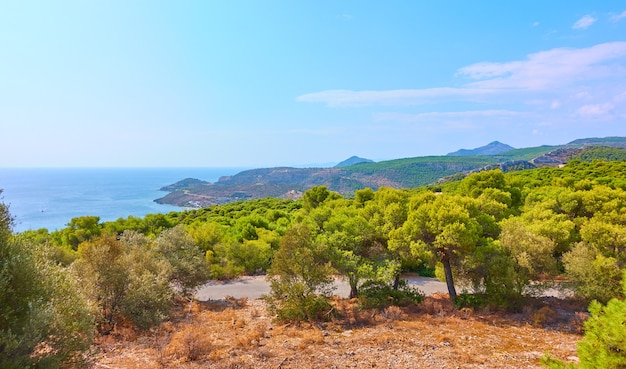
[377,294]
[301,277]
[603,153]
[135,278]
[525,154]
[530,222]
[492,233]
[44,321]
[415,172]
[61,286]
[604,343]
[130,278]
[187,265]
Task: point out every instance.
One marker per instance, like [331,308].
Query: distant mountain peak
[352,161]
[493,148]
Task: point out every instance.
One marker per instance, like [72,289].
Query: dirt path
[255,287]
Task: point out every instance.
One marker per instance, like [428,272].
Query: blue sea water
[51,197]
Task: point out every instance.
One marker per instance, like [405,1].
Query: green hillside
[286,182]
[420,171]
[528,153]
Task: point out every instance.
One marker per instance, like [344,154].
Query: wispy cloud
[618,17]
[388,97]
[404,117]
[546,71]
[584,22]
[597,110]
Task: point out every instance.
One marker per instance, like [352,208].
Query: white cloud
[388,97]
[535,24]
[555,104]
[583,95]
[618,17]
[584,22]
[595,110]
[403,117]
[546,71]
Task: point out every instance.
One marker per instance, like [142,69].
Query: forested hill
[353,161]
[287,182]
[493,148]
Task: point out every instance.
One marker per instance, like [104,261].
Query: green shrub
[103,278]
[595,276]
[293,302]
[147,301]
[188,266]
[44,320]
[148,297]
[126,278]
[604,343]
[225,270]
[470,300]
[377,294]
[301,277]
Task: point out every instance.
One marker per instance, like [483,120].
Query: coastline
[50,197]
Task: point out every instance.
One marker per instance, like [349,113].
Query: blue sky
[272,83]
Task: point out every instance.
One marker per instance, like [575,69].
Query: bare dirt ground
[238,333]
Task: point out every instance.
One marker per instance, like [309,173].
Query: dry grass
[240,334]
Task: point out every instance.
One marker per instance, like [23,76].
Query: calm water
[51,197]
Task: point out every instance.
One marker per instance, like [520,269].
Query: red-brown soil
[240,334]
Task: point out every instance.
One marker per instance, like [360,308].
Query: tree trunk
[354,282]
[353,291]
[449,279]
[396,282]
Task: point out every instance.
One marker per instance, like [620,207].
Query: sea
[50,197]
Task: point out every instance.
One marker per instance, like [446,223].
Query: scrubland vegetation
[497,239]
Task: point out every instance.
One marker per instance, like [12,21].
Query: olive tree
[44,320]
[189,267]
[300,276]
[103,277]
[125,277]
